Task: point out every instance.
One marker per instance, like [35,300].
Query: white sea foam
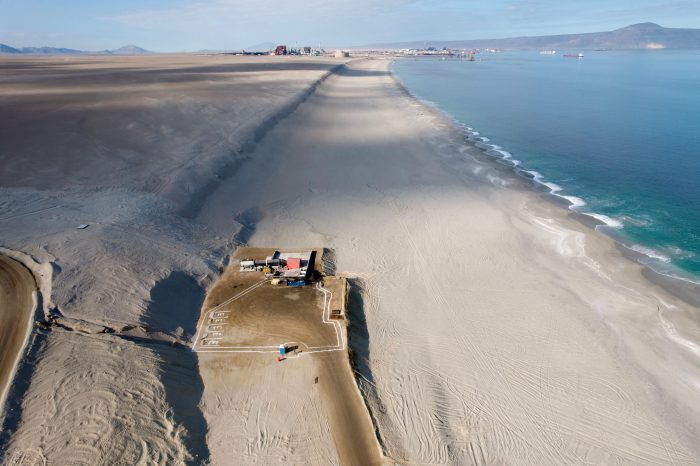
[608,221]
[555,189]
[497,151]
[537,176]
[576,202]
[513,162]
[651,253]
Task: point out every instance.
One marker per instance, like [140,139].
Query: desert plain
[487,323]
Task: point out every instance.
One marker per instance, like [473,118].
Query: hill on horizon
[7,49]
[125,50]
[129,50]
[636,36]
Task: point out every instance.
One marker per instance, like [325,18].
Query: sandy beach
[487,324]
[500,330]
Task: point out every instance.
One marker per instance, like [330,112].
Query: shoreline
[686,289]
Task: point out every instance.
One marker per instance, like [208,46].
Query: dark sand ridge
[17,307]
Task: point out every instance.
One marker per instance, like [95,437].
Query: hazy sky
[180,25]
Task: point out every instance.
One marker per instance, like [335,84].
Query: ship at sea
[577,55]
[548,52]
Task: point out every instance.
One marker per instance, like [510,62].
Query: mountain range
[636,36]
[126,50]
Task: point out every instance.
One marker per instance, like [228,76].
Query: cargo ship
[578,55]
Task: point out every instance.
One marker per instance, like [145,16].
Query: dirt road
[16,307]
[353,432]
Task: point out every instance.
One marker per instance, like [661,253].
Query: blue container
[282,349]
[297,283]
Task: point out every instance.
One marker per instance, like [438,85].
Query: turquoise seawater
[618,131]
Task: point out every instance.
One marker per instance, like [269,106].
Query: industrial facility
[284,50]
[250,310]
[291,268]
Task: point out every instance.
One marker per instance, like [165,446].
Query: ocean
[617,133]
